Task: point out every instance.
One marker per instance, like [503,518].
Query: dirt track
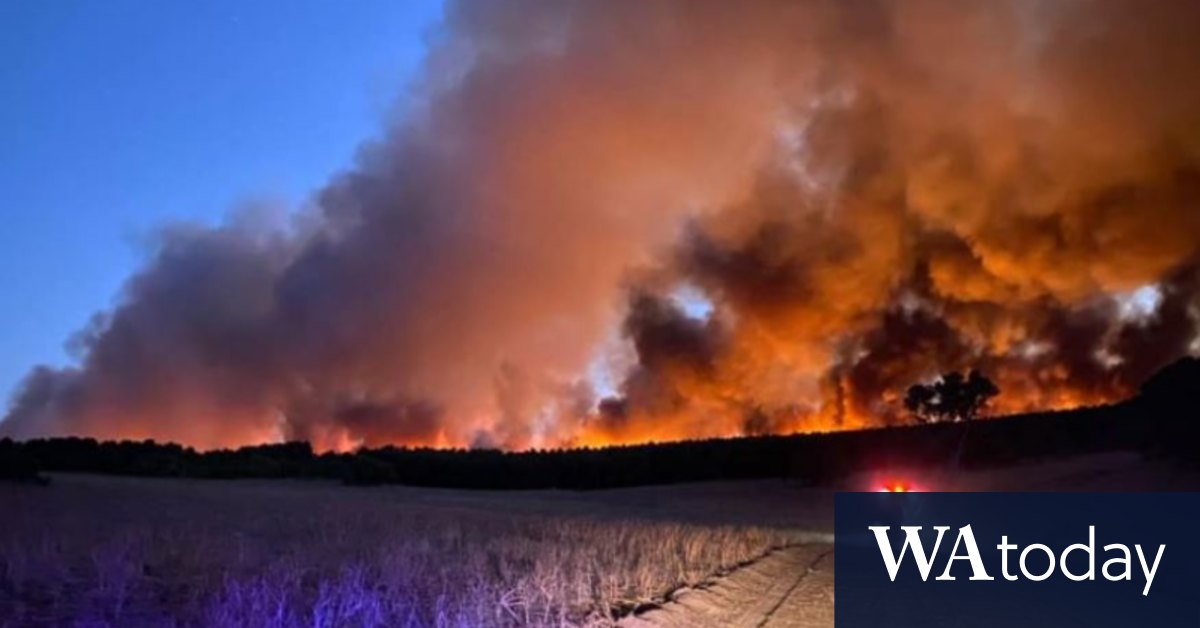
[790,588]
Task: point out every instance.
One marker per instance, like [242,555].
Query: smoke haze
[866,194]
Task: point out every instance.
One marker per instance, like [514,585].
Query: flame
[862,196]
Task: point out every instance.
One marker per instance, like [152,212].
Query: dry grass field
[100,551]
[105,551]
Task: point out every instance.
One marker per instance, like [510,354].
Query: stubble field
[97,551]
[105,551]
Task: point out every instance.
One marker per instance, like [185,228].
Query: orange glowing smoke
[864,195]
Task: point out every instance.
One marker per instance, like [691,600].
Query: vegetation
[1176,386]
[1176,391]
[953,397]
[1161,419]
[101,551]
[17,464]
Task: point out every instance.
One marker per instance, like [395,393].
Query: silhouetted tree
[810,458]
[17,464]
[953,397]
[366,470]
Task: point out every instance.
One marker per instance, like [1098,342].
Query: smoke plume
[862,195]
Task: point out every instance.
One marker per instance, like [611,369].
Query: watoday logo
[1035,561]
[997,560]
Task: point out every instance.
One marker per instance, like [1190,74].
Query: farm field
[109,551]
[97,551]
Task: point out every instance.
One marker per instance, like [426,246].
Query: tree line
[1161,419]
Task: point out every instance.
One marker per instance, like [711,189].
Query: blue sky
[119,116]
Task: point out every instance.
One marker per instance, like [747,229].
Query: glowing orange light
[897,486]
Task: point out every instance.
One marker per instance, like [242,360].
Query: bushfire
[617,222]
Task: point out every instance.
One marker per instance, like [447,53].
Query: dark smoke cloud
[869,193]
[975,185]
